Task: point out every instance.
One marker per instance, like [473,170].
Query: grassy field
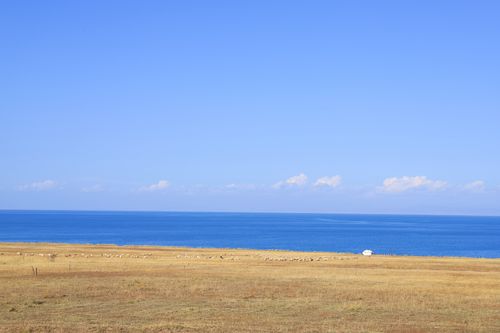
[80,288]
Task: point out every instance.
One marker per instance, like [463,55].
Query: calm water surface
[470,236]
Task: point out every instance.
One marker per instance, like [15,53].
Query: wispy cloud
[475,186]
[93,188]
[332,181]
[43,185]
[298,180]
[234,186]
[161,185]
[405,183]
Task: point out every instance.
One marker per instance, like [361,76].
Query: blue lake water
[470,236]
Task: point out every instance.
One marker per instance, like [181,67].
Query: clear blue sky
[244,105]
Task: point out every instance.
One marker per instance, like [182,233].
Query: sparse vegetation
[161,289]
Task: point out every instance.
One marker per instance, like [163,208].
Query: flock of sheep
[85,255]
[276,257]
[266,257]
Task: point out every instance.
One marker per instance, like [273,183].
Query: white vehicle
[367,252]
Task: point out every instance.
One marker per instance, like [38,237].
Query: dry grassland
[82,288]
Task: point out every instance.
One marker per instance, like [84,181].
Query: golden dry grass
[161,289]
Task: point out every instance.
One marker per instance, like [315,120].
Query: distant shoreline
[191,248]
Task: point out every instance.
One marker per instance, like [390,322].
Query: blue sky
[310,106]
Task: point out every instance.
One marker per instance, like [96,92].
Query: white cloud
[475,186]
[332,181]
[39,186]
[161,185]
[298,180]
[401,184]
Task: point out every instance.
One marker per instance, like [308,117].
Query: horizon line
[234,212]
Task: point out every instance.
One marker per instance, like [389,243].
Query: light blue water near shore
[470,236]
